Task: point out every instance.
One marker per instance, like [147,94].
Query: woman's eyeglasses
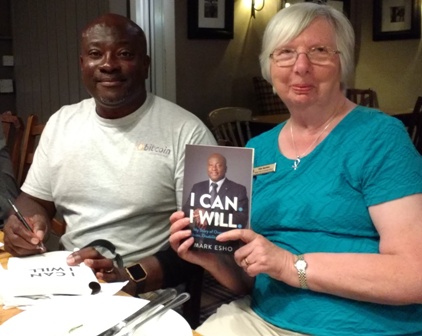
[285,57]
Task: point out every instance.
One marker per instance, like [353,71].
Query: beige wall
[210,73]
[392,68]
[46,50]
[216,73]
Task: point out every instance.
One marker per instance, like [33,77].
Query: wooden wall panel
[7,100]
[46,49]
[72,37]
[43,30]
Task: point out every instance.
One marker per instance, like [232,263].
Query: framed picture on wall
[396,20]
[210,19]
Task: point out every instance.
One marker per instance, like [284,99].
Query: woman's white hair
[289,22]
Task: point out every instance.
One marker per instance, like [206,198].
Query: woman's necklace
[296,162]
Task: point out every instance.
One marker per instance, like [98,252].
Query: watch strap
[301,271]
[103,243]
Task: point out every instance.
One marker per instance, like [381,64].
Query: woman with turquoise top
[335,246]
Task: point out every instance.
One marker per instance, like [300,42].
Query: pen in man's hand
[25,223]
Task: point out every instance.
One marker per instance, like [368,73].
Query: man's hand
[103,267]
[100,265]
[19,241]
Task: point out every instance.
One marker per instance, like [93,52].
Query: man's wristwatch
[301,265]
[138,275]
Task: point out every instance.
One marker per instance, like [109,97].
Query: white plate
[93,314]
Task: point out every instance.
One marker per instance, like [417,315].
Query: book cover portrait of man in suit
[216,205]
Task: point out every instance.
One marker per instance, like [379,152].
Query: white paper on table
[48,274]
[24,303]
[8,298]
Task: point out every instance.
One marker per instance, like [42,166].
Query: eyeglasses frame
[331,51]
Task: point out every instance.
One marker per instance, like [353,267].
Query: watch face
[137,273]
[301,265]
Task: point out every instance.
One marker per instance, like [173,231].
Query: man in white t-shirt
[112,165]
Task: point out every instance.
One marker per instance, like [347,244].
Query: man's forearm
[30,206]
[175,270]
[153,281]
[164,269]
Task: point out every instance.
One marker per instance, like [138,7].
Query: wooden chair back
[417,134]
[267,101]
[413,123]
[364,97]
[21,143]
[30,140]
[13,132]
[230,125]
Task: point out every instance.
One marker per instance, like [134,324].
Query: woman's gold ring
[246,261]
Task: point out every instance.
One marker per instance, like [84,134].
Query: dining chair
[32,133]
[13,132]
[230,125]
[30,137]
[413,123]
[364,97]
[267,101]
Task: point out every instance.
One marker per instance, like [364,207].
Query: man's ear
[81,62]
[146,62]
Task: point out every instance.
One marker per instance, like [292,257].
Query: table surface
[6,314]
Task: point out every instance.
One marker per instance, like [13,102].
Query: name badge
[270,168]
